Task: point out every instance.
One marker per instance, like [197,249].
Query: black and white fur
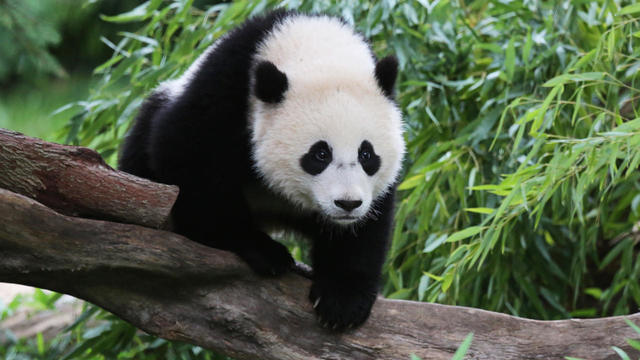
[286,122]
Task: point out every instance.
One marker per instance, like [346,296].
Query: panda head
[328,138]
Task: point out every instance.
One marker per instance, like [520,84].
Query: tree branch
[178,289]
[76,181]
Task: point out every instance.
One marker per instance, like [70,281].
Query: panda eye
[368,158]
[317,158]
[365,155]
[322,155]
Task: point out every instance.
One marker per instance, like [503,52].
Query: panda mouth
[343,218]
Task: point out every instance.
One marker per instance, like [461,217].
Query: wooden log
[177,289]
[76,181]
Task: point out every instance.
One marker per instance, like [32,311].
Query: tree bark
[172,287]
[177,289]
[76,181]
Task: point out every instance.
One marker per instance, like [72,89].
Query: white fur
[332,96]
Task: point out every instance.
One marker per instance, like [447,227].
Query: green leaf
[611,44]
[526,49]
[434,277]
[563,79]
[634,343]
[480,210]
[624,244]
[402,294]
[595,292]
[465,233]
[411,182]
[434,242]
[635,327]
[422,286]
[40,344]
[447,280]
[463,348]
[537,123]
[510,60]
[584,60]
[629,9]
[140,13]
[623,355]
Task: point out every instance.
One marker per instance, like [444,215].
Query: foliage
[95,335]
[52,37]
[25,37]
[521,190]
[29,110]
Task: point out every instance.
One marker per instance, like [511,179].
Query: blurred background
[520,192]
[48,50]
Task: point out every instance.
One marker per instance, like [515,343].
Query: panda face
[342,186]
[325,133]
[331,150]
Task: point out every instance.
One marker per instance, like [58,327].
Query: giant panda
[286,122]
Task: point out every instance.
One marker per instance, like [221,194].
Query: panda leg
[347,263]
[215,219]
[264,255]
[345,283]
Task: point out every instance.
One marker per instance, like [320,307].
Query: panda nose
[348,205]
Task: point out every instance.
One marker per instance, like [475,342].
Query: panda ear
[386,73]
[270,83]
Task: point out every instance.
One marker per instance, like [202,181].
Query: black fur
[271,83]
[200,142]
[317,158]
[386,74]
[368,158]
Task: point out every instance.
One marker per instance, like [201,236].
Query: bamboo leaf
[465,233]
[630,9]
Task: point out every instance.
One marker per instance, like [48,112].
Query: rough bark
[76,181]
[178,289]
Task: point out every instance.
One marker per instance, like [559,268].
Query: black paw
[339,310]
[268,257]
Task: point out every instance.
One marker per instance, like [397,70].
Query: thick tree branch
[178,289]
[76,181]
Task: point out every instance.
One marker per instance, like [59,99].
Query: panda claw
[315,304]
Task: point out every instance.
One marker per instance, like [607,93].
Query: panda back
[203,113]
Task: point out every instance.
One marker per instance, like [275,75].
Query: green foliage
[95,335]
[40,38]
[27,29]
[29,109]
[522,188]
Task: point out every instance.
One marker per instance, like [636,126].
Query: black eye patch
[368,159]
[317,158]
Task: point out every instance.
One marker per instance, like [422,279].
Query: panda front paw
[268,257]
[339,310]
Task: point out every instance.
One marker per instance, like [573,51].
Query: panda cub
[286,122]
